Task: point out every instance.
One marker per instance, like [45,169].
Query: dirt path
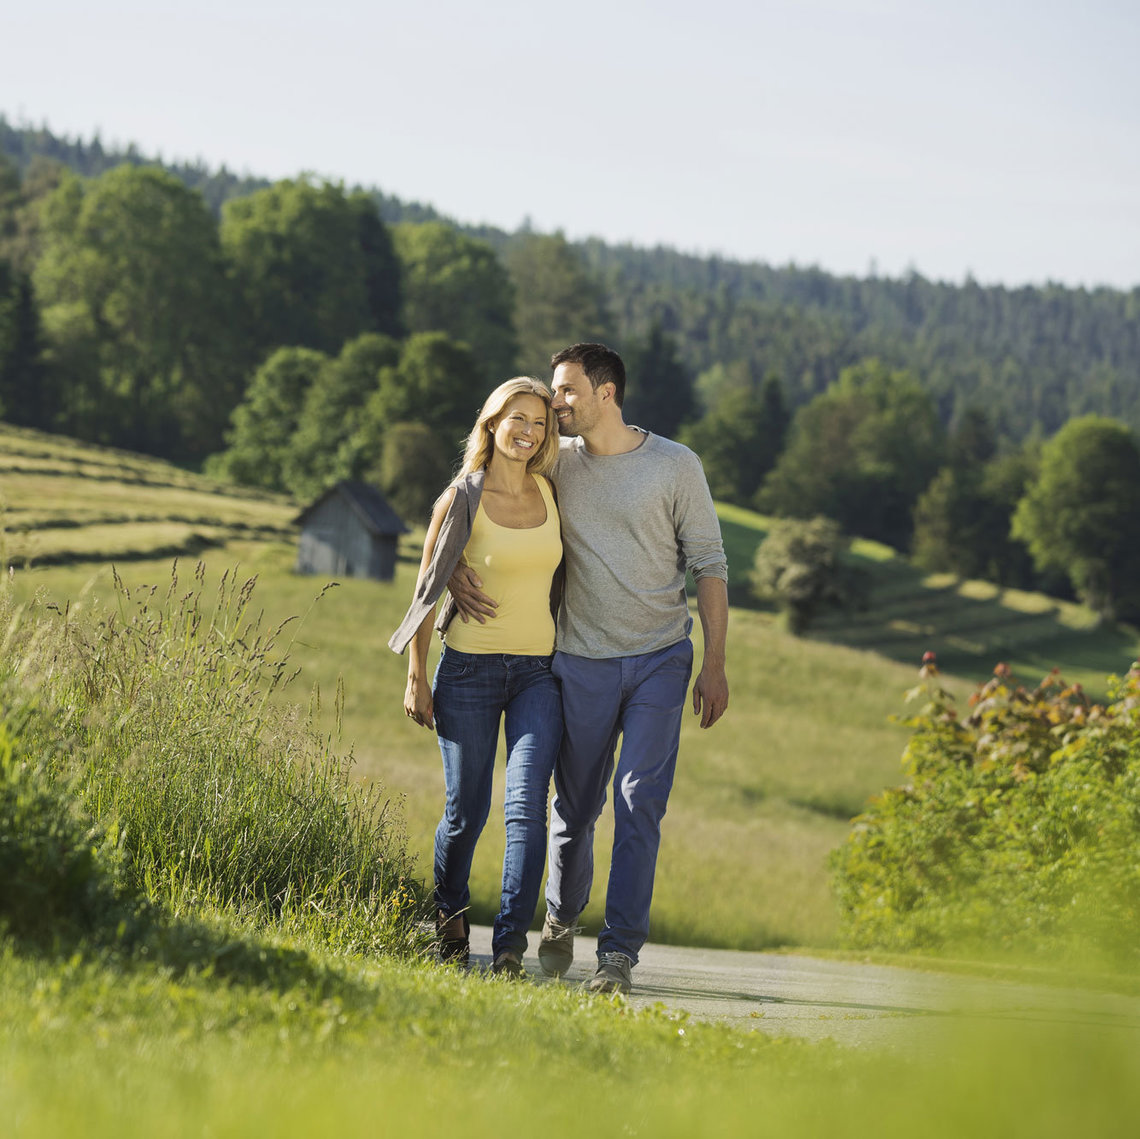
[853,1003]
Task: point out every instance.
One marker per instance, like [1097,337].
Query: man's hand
[466,586]
[710,694]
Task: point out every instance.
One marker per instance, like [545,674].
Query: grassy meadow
[759,800]
[261,983]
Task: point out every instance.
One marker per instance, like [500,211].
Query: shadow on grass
[191,948]
[192,547]
[741,542]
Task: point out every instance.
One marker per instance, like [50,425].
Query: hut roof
[368,503]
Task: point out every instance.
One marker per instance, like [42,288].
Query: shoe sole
[608,987]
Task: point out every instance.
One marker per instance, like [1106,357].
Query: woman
[498,516]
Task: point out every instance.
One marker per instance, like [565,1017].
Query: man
[636,513]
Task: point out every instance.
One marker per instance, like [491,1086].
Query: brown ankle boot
[454,933]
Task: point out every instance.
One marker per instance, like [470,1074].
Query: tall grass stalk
[160,708]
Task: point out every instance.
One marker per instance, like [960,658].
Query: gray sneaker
[556,949]
[613,975]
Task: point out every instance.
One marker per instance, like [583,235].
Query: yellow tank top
[517,567]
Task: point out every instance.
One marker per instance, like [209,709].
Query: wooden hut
[350,531]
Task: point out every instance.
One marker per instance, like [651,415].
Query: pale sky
[957,137]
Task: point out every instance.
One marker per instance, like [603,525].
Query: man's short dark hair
[602,365]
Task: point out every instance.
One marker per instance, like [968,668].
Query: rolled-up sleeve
[696,523]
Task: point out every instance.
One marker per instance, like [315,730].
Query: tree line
[288,334]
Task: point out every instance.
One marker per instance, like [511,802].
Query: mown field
[760,800]
[64,502]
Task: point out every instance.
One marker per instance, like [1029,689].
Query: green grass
[156,713]
[970,625]
[306,1043]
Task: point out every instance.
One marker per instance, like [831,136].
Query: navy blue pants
[640,698]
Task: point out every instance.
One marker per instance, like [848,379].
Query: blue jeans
[642,698]
[472,693]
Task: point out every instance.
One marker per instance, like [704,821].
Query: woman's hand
[418,702]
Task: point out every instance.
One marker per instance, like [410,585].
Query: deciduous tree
[415,466]
[456,284]
[1082,513]
[313,267]
[860,453]
[264,423]
[327,445]
[962,520]
[557,301]
[800,566]
[741,439]
[136,312]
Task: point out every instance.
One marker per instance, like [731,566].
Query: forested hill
[1030,357]
[90,159]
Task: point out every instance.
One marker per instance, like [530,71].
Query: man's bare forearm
[710,691]
[712,608]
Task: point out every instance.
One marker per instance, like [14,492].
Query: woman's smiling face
[521,428]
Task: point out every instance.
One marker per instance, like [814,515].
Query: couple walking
[565,529]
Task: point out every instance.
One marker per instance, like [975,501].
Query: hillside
[1031,357]
[760,800]
[969,625]
[62,501]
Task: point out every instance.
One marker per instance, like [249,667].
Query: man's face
[577,406]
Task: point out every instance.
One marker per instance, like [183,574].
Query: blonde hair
[481,442]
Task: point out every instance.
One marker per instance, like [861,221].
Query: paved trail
[855,1004]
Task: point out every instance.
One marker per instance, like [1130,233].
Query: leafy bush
[161,714]
[1017,829]
[61,876]
[800,566]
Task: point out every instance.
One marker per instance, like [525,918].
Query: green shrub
[61,876]
[1016,830]
[161,714]
[800,566]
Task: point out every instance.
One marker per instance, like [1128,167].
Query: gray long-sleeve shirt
[631,525]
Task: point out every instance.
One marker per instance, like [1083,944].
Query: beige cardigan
[449,547]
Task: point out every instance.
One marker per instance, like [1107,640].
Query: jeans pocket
[453,666]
